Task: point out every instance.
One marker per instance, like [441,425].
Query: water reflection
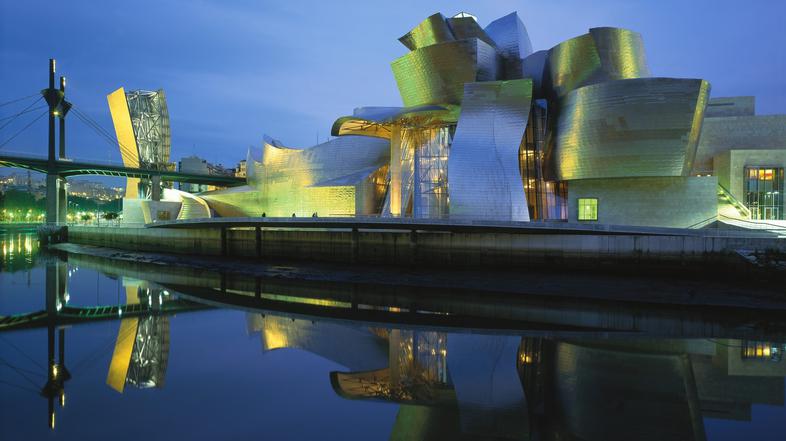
[564,381]
[456,386]
[20,250]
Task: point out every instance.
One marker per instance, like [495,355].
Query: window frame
[581,203]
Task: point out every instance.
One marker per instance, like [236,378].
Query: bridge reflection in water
[141,350]
[578,374]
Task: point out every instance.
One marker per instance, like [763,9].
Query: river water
[121,351]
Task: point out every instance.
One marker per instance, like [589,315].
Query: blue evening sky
[235,70]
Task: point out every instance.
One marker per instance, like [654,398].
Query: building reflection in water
[141,350]
[452,385]
[471,386]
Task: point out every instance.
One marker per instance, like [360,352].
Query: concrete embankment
[551,303]
[476,249]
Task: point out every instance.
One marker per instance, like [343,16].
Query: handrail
[777,227]
[745,211]
[703,222]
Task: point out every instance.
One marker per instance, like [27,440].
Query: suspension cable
[20,113]
[17,100]
[26,111]
[24,128]
[111,140]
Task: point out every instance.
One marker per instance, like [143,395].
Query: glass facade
[764,192]
[588,209]
[546,200]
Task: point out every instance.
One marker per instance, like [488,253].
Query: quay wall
[430,248]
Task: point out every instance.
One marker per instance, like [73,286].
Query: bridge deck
[74,315]
[75,168]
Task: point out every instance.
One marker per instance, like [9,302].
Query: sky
[234,71]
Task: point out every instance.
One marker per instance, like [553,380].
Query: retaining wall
[426,247]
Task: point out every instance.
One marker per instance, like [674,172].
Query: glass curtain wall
[546,200]
[424,171]
[764,192]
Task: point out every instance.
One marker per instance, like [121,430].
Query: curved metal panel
[124,131]
[512,41]
[464,27]
[484,180]
[325,178]
[534,66]
[436,74]
[630,128]
[432,30]
[378,121]
[604,54]
[621,53]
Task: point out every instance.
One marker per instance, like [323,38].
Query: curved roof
[629,128]
[377,121]
[603,54]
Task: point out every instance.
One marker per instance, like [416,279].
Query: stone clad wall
[661,201]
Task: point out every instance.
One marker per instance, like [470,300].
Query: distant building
[240,170]
[198,166]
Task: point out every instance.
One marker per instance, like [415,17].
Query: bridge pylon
[56,193]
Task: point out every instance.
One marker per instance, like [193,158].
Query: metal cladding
[378,121]
[512,40]
[484,180]
[463,27]
[430,31]
[335,178]
[604,54]
[490,130]
[436,74]
[630,128]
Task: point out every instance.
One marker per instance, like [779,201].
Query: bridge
[70,315]
[67,168]
[58,167]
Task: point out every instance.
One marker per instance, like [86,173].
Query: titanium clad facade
[630,128]
[491,130]
[430,31]
[436,74]
[605,54]
[512,40]
[335,178]
[484,180]
[463,28]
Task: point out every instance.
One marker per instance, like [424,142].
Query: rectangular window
[588,209]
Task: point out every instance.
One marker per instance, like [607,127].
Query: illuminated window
[763,190]
[761,351]
[588,209]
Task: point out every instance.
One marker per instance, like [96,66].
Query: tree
[111,216]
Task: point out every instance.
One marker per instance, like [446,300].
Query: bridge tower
[55,184]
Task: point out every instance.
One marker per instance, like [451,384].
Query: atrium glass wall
[424,171]
[546,200]
[764,192]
